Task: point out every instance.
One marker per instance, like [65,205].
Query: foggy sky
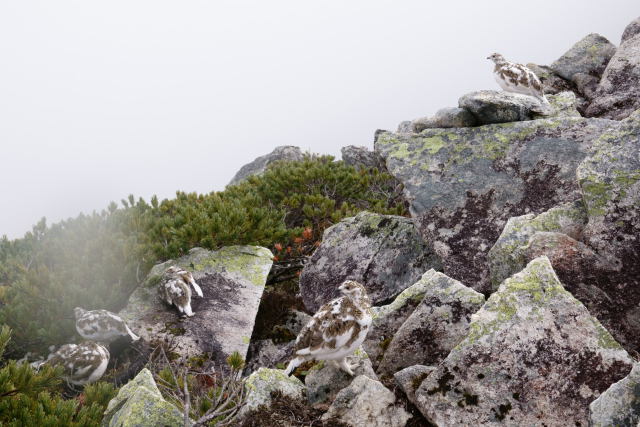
[102,99]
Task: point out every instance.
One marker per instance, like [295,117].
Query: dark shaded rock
[632,30]
[267,354]
[618,93]
[551,82]
[361,157]
[589,56]
[383,252]
[445,118]
[464,184]
[259,165]
[620,404]
[435,327]
[490,106]
[533,355]
[409,379]
[232,280]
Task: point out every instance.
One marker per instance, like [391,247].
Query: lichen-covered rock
[409,379]
[140,404]
[533,355]
[620,404]
[232,280]
[436,326]
[463,184]
[383,252]
[366,402]
[445,118]
[564,104]
[507,256]
[361,157]
[632,30]
[618,93]
[325,379]
[491,106]
[259,165]
[589,56]
[388,318]
[260,384]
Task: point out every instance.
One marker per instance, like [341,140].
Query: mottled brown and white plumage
[517,78]
[336,330]
[101,325]
[82,363]
[175,288]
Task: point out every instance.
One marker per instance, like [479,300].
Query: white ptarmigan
[517,78]
[82,363]
[101,325]
[175,289]
[336,330]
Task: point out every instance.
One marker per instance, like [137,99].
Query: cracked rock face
[383,252]
[464,184]
[533,355]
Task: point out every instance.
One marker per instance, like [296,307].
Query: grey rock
[295,320]
[259,165]
[405,127]
[589,56]
[551,82]
[435,327]
[618,93]
[563,104]
[267,354]
[383,252]
[409,379]
[463,184]
[361,157]
[620,404]
[140,404]
[490,106]
[632,30]
[445,118]
[533,354]
[367,402]
[232,280]
[586,84]
[508,254]
[263,382]
[325,379]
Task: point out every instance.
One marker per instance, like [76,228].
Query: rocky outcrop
[491,106]
[632,30]
[409,379]
[464,184]
[445,118]
[618,92]
[533,355]
[383,252]
[263,382]
[140,404]
[620,404]
[361,157]
[232,280]
[367,402]
[435,327]
[259,165]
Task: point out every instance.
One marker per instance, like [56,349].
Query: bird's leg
[345,366]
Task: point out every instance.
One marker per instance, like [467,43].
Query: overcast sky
[102,99]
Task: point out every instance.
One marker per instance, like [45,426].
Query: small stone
[490,106]
[361,157]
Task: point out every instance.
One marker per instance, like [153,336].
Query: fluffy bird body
[82,363]
[175,289]
[336,330]
[101,325]
[517,78]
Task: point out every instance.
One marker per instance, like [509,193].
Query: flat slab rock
[463,184]
[533,356]
[232,280]
[383,252]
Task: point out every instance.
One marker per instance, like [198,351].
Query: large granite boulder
[140,404]
[366,402]
[445,118]
[259,165]
[585,62]
[361,157]
[618,93]
[260,384]
[533,355]
[232,280]
[463,184]
[435,327]
[620,404]
[383,252]
[632,30]
[491,106]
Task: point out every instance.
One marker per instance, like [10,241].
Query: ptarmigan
[517,78]
[336,330]
[175,289]
[82,363]
[101,325]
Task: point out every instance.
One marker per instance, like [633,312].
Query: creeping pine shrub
[30,398]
